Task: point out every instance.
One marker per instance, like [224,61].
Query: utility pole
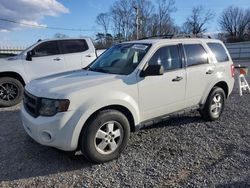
[137,21]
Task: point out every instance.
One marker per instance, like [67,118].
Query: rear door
[200,72]
[160,95]
[76,53]
[47,60]
[223,62]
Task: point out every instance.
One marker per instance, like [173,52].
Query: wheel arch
[119,108]
[221,84]
[13,75]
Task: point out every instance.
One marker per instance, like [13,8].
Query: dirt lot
[181,152]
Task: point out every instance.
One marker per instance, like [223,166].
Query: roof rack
[172,36]
[192,36]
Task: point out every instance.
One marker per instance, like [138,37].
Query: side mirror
[29,55]
[153,70]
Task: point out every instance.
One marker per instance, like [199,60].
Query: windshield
[120,59]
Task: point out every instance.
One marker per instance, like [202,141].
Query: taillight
[232,71]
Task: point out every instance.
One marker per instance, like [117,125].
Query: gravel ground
[181,152]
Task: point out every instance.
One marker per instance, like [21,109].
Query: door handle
[210,71]
[58,59]
[89,55]
[177,79]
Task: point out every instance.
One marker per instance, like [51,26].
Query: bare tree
[126,23]
[165,8]
[152,28]
[235,21]
[60,35]
[103,19]
[160,22]
[123,15]
[196,23]
[145,9]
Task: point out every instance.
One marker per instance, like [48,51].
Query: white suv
[131,85]
[44,58]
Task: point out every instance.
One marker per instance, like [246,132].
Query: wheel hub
[8,92]
[109,137]
[216,105]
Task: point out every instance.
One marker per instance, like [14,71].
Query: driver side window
[46,49]
[168,57]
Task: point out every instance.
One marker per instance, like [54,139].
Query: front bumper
[56,131]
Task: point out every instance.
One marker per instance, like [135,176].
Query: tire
[214,105]
[100,141]
[11,91]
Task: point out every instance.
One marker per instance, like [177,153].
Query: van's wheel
[105,136]
[11,91]
[214,105]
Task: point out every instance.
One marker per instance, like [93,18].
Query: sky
[80,14]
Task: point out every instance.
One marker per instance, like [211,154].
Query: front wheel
[11,91]
[105,136]
[214,105]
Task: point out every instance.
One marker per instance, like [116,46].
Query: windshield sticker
[139,47]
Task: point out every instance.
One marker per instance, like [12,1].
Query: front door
[160,95]
[46,60]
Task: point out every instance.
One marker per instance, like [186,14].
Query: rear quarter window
[218,51]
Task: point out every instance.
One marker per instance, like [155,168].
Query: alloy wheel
[216,105]
[8,92]
[108,137]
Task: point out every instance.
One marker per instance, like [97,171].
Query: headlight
[50,107]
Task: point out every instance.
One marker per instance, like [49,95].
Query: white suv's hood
[64,84]
[9,62]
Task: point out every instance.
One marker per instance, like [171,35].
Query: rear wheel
[11,91]
[214,105]
[105,136]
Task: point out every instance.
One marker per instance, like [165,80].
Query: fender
[210,86]
[13,66]
[7,72]
[87,109]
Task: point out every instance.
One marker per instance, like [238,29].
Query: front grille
[31,104]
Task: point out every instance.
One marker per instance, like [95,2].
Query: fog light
[46,136]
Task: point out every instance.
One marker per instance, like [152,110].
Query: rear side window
[46,49]
[168,57]
[219,52]
[74,46]
[196,54]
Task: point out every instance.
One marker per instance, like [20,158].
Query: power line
[46,27]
